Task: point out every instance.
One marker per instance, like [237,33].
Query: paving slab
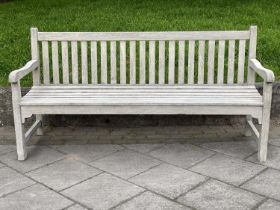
[274,141]
[11,181]
[182,155]
[4,149]
[143,148]
[38,156]
[238,149]
[102,192]
[76,207]
[215,195]
[266,183]
[150,201]
[34,198]
[63,174]
[88,153]
[269,205]
[168,180]
[227,169]
[125,163]
[273,157]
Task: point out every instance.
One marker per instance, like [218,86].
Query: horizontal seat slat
[143,95]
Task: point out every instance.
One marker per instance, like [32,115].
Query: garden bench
[190,73]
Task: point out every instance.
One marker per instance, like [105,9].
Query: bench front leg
[263,139]
[19,129]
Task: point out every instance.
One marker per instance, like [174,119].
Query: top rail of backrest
[142,36]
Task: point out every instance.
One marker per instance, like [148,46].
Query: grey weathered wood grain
[61,97]
[74,58]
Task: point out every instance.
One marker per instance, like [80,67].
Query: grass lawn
[16,18]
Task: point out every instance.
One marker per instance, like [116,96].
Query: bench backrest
[200,57]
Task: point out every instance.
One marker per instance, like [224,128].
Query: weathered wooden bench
[192,73]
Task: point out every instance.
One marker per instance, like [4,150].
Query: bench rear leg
[263,140]
[40,131]
[247,131]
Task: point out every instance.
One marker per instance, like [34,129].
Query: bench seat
[199,95]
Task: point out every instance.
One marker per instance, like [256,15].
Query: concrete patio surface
[147,168]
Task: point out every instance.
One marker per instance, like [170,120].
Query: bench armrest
[16,75]
[266,74]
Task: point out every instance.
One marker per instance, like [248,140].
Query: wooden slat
[211,57]
[206,88]
[46,65]
[74,58]
[65,62]
[132,47]
[181,68]
[143,36]
[171,62]
[201,52]
[221,62]
[191,62]
[231,50]
[122,62]
[113,62]
[55,62]
[152,62]
[103,45]
[93,55]
[241,61]
[84,62]
[138,87]
[142,62]
[161,65]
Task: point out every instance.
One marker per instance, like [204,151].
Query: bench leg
[19,129]
[263,140]
[40,129]
[248,131]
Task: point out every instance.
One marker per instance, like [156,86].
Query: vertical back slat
[142,62]
[84,62]
[93,57]
[231,52]
[191,62]
[201,52]
[211,58]
[74,58]
[132,66]
[181,69]
[46,65]
[252,53]
[161,64]
[221,62]
[55,62]
[113,62]
[152,62]
[122,62]
[171,62]
[241,61]
[103,45]
[65,62]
